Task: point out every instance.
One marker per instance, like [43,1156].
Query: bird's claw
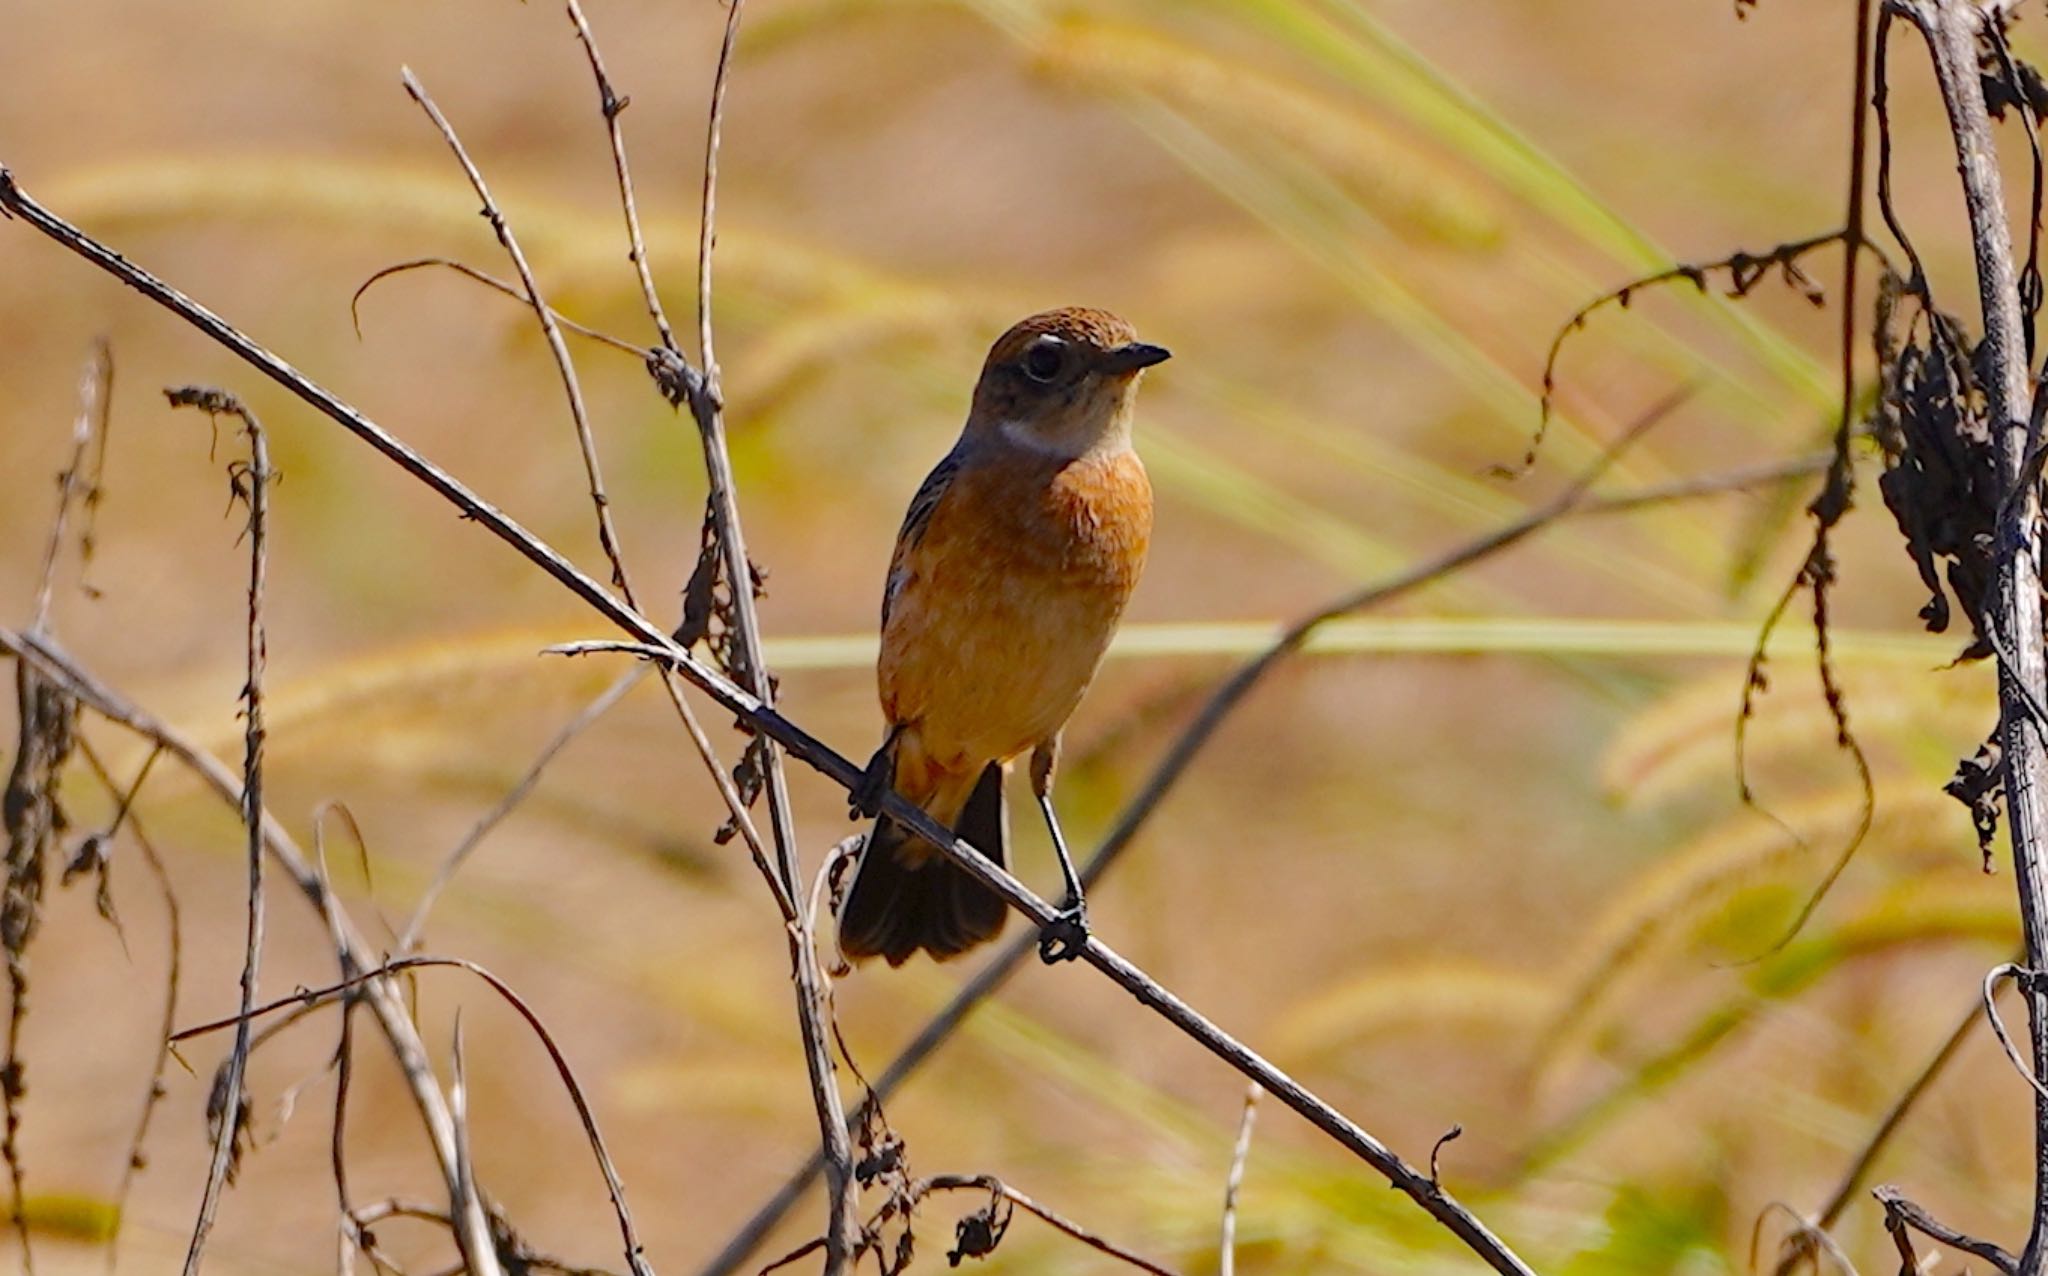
[1063,938]
[864,799]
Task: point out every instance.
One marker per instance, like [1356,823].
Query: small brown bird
[1009,576]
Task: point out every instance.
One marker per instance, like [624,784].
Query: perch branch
[770,722]
[1188,746]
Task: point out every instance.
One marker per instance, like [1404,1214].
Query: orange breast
[1007,603]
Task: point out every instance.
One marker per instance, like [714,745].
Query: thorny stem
[652,640]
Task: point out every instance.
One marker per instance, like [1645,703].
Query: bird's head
[1062,382]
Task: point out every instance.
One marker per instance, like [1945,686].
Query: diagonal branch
[764,718]
[1576,501]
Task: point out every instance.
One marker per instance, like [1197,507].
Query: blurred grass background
[1477,859]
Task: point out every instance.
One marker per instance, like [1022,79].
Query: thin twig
[607,534]
[2020,976]
[468,1196]
[513,796]
[611,105]
[771,723]
[1900,1214]
[807,972]
[174,944]
[1794,1250]
[1804,1240]
[343,990]
[488,281]
[1226,1249]
[995,1186]
[251,485]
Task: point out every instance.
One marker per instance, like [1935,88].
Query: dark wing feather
[916,519]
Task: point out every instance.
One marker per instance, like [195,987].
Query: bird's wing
[915,520]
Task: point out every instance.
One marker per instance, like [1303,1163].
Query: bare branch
[174,944]
[2020,977]
[842,1190]
[1745,271]
[607,534]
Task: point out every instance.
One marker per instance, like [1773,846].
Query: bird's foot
[864,799]
[1063,938]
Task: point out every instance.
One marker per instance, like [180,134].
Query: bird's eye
[1044,361]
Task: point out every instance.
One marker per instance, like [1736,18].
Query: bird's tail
[905,896]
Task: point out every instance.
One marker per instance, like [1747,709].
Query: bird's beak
[1134,357]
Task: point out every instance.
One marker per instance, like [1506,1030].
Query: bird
[1009,577]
